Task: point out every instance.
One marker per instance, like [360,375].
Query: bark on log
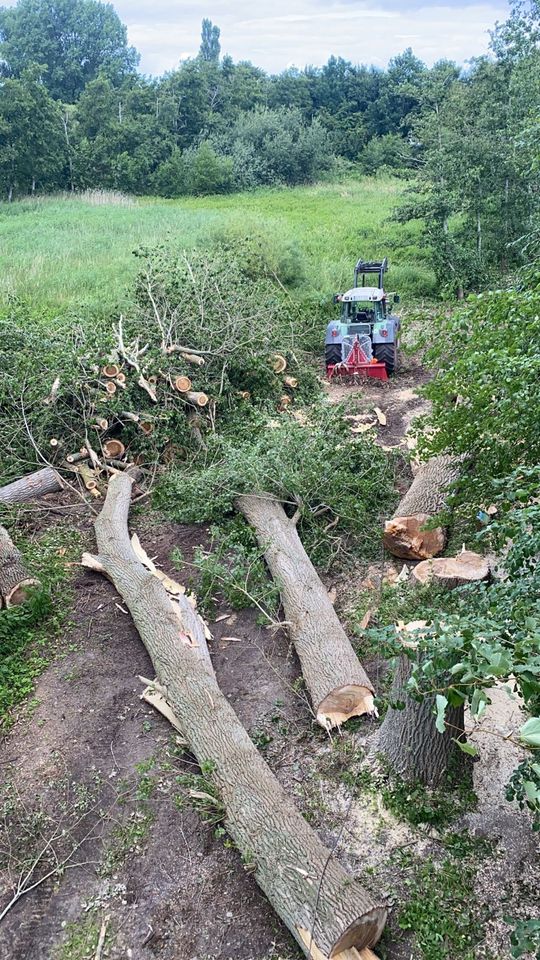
[451,572]
[34,485]
[14,578]
[338,685]
[307,887]
[404,535]
[409,739]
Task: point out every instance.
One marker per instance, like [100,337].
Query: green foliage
[234,568]
[80,940]
[441,908]
[484,402]
[336,478]
[73,39]
[525,937]
[28,632]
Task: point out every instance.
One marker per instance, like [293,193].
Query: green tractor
[363,341]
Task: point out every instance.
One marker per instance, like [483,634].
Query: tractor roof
[363,293]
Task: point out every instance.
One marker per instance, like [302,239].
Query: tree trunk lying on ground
[34,485]
[451,572]
[14,578]
[409,739]
[324,908]
[337,683]
[404,535]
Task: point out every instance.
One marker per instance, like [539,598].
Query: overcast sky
[275,34]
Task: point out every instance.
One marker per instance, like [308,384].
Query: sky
[275,34]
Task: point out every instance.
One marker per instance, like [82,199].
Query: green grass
[60,251]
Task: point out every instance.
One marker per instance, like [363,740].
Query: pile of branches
[203,342]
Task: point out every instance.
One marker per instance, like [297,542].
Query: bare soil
[98,778]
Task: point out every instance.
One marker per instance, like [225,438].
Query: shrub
[484,397]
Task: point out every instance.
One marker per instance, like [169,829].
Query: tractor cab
[364,339]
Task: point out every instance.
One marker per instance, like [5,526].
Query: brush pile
[203,342]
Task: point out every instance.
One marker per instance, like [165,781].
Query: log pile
[326,910]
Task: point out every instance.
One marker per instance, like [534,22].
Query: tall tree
[32,149]
[210,47]
[75,39]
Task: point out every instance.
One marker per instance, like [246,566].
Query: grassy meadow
[60,252]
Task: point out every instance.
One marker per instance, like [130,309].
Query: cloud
[276,33]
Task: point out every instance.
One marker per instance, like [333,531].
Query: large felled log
[14,578]
[409,739]
[404,534]
[451,572]
[34,485]
[307,887]
[338,685]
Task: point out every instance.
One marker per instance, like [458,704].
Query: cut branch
[34,485]
[338,685]
[308,888]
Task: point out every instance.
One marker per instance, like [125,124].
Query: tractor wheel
[332,354]
[386,353]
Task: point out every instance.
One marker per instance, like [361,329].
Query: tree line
[75,113]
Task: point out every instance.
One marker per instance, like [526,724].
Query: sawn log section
[305,884]
[337,683]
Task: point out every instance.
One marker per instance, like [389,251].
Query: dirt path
[94,776]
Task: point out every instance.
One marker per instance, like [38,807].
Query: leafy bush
[200,171]
[484,396]
[273,147]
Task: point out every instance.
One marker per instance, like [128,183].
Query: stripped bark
[404,534]
[338,685]
[307,887]
[14,578]
[34,485]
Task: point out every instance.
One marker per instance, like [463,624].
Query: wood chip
[222,616]
[363,428]
[364,623]
[231,639]
[332,594]
[381,417]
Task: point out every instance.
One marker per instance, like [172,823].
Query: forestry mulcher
[363,342]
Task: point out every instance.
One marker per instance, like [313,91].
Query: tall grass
[72,250]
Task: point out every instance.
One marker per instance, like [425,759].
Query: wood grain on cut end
[451,572]
[406,537]
[343,703]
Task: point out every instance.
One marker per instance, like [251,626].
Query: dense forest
[76,114]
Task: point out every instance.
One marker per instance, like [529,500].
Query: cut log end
[19,593]
[405,537]
[343,703]
[354,944]
[451,572]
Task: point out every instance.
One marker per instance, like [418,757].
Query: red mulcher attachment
[356,363]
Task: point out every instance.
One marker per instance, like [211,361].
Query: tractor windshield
[360,312]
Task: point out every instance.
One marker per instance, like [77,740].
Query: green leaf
[467,748]
[530,732]
[531,791]
[478,703]
[441,703]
